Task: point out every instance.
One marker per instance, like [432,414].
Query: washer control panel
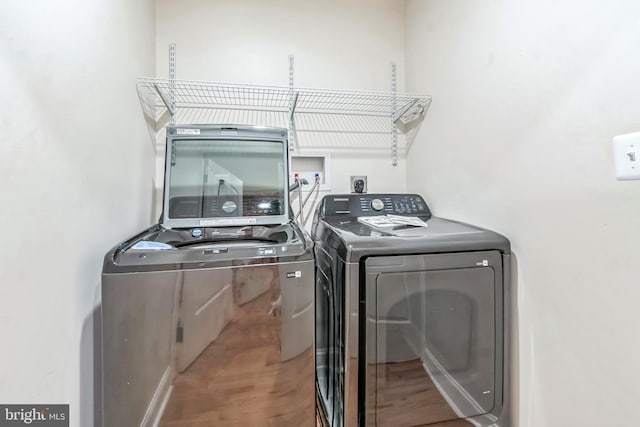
[375,204]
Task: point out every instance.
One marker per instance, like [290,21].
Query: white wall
[337,44]
[75,178]
[526,98]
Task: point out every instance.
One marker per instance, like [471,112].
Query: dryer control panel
[356,205]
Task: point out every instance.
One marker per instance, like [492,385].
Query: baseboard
[159,400]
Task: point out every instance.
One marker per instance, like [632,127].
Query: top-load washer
[412,322]
[207,316]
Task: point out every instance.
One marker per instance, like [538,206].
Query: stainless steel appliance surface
[412,323]
[207,316]
[217,328]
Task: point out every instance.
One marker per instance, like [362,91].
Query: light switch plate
[626,155]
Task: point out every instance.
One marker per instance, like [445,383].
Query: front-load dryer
[412,322]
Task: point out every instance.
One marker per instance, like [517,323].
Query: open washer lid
[223,175]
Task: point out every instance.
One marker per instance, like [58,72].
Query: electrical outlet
[626,155]
[358,183]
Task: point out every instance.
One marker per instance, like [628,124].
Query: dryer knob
[377,205]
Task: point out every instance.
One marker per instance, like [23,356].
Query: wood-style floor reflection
[239,379]
[406,397]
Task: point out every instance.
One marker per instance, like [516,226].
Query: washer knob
[229,206]
[377,205]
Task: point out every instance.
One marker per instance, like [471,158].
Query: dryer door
[433,338]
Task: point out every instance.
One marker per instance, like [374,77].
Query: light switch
[626,155]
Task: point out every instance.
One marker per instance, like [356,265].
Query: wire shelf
[365,115]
